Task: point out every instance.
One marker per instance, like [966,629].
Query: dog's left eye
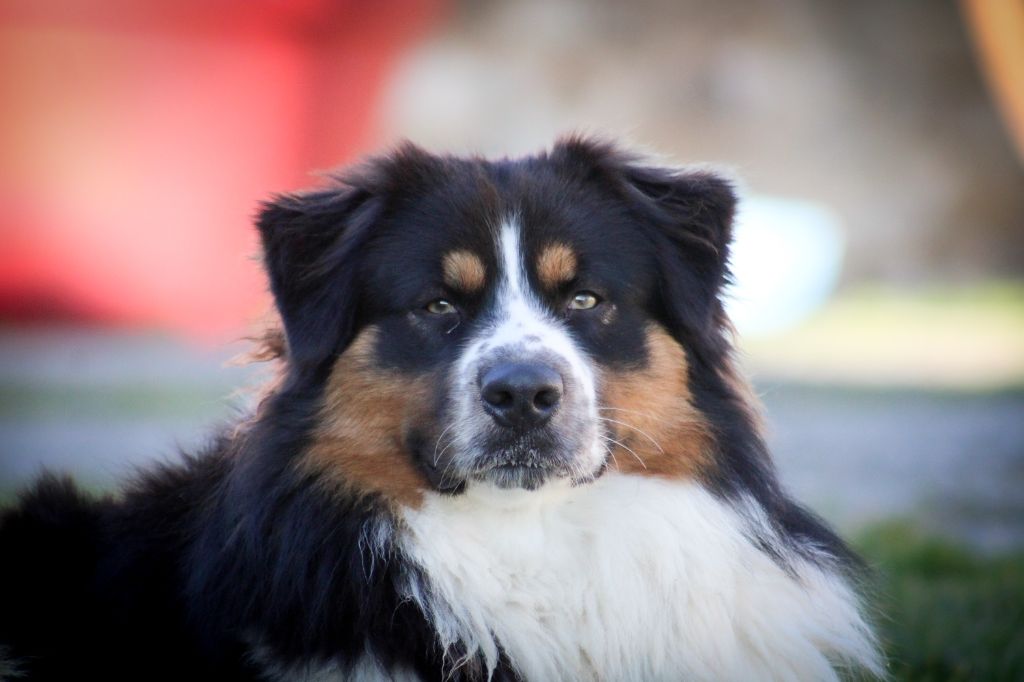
[441,306]
[584,300]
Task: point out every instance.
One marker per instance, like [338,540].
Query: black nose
[521,395]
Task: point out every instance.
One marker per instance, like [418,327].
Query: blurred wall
[875,108]
[139,137]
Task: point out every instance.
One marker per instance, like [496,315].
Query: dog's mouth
[526,462]
[526,459]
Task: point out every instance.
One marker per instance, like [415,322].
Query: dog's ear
[689,214]
[692,212]
[310,244]
[312,241]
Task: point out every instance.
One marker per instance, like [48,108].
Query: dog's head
[508,323]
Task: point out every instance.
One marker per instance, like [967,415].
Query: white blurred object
[786,258]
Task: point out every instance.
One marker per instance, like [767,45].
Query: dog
[508,442]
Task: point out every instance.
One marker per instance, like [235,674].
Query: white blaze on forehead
[511,258]
[521,318]
[521,321]
[517,318]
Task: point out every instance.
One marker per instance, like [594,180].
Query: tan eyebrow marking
[556,265]
[464,271]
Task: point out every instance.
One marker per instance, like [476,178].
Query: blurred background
[879,260]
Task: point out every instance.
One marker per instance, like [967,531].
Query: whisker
[444,474]
[444,450]
[622,409]
[638,430]
[648,415]
[611,454]
[438,443]
[628,449]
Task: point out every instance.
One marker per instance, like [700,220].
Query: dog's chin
[522,464]
[511,473]
[515,476]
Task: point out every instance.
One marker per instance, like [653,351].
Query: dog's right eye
[584,300]
[441,306]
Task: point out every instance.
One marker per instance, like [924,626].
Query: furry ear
[693,213]
[690,213]
[310,243]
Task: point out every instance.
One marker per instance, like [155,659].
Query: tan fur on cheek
[659,431]
[359,441]
[556,265]
[464,271]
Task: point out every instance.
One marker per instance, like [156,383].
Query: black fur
[190,566]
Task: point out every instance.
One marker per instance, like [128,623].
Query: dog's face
[503,323]
[512,303]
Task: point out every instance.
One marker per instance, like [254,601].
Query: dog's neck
[629,577]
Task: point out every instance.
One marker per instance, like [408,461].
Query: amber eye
[584,300]
[440,307]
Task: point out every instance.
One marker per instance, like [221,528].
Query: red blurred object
[138,138]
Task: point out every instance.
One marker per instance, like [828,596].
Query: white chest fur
[630,578]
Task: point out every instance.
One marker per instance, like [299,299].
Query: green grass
[946,614]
